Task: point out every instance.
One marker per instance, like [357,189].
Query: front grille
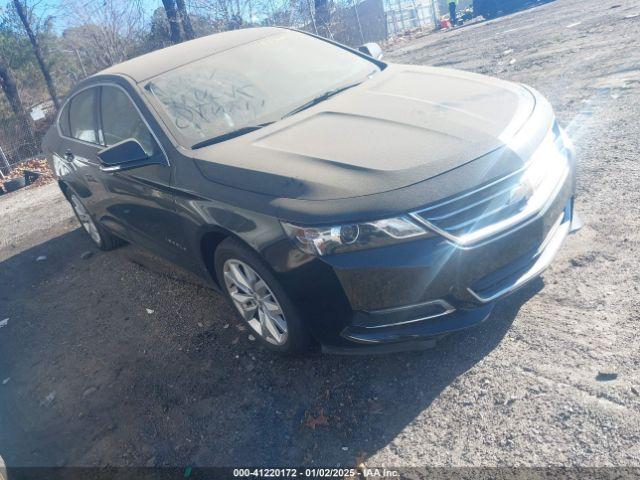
[473,211]
[498,205]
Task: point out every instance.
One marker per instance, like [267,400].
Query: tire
[30,176]
[232,256]
[14,184]
[96,232]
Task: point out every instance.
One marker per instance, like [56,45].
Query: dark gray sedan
[329,195]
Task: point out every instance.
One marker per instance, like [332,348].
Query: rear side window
[82,117]
[121,120]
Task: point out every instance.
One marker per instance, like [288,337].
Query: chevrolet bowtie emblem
[522,192]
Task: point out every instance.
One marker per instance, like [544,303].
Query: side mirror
[126,155]
[372,49]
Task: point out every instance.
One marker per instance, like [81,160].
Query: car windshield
[252,84]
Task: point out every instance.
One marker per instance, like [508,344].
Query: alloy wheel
[255,301]
[86,220]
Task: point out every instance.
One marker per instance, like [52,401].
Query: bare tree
[185,20]
[174,22]
[10,88]
[322,17]
[102,33]
[44,68]
[227,14]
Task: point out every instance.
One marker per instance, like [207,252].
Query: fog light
[349,234]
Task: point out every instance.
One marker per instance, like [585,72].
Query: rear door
[75,154]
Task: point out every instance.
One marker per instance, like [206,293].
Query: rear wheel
[259,299]
[100,237]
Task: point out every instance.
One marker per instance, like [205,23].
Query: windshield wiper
[321,98]
[229,135]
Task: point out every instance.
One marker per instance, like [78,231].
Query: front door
[140,199]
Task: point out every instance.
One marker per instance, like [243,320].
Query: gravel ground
[117,359]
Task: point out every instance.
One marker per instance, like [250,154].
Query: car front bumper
[405,295]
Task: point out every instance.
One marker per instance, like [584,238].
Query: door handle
[69,156]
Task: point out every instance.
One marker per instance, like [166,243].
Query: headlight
[354,236]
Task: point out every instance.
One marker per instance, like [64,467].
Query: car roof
[151,64]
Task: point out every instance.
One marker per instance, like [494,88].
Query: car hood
[404,125]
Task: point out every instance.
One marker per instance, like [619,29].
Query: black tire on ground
[30,176]
[298,336]
[107,241]
[14,184]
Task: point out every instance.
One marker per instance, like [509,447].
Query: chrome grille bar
[476,215]
[470,206]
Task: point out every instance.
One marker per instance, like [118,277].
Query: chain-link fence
[356,22]
[19,141]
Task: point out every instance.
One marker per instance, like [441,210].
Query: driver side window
[121,120]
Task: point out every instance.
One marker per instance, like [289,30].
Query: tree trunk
[186,21]
[321,8]
[8,84]
[174,22]
[38,53]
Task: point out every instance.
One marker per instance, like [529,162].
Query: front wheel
[259,299]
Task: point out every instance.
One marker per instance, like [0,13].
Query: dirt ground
[117,359]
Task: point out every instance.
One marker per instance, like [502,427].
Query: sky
[56,8]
